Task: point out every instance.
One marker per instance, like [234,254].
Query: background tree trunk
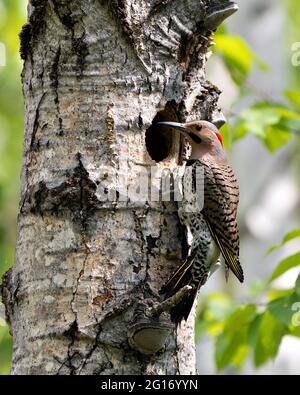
[87,272]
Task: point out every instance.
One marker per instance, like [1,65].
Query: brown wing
[221,197]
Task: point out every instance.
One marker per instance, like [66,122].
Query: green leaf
[228,350]
[294,326]
[240,131]
[285,265]
[268,339]
[253,330]
[289,120]
[211,312]
[297,286]
[294,98]
[289,236]
[294,331]
[232,343]
[275,293]
[216,306]
[281,309]
[270,122]
[287,113]
[239,318]
[214,328]
[240,355]
[275,138]
[256,119]
[237,56]
[226,136]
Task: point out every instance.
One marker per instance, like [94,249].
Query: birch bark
[88,270]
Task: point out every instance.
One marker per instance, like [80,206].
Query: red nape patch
[220,138]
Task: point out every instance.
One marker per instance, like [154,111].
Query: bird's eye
[198,128]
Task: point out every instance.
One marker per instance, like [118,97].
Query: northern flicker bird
[212,228]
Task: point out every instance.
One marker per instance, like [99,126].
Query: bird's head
[197,132]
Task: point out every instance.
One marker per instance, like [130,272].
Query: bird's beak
[177,126]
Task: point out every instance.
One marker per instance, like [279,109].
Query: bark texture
[87,271]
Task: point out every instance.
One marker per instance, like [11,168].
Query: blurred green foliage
[237,56]
[12,17]
[238,329]
[248,329]
[252,329]
[273,123]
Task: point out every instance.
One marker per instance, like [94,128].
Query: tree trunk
[89,262]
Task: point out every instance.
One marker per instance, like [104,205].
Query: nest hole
[162,143]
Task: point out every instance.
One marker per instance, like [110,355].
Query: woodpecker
[213,230]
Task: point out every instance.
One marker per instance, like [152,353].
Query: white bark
[87,272]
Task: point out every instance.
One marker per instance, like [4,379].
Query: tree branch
[169,303]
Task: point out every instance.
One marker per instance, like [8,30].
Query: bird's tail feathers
[178,279]
[183,308]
